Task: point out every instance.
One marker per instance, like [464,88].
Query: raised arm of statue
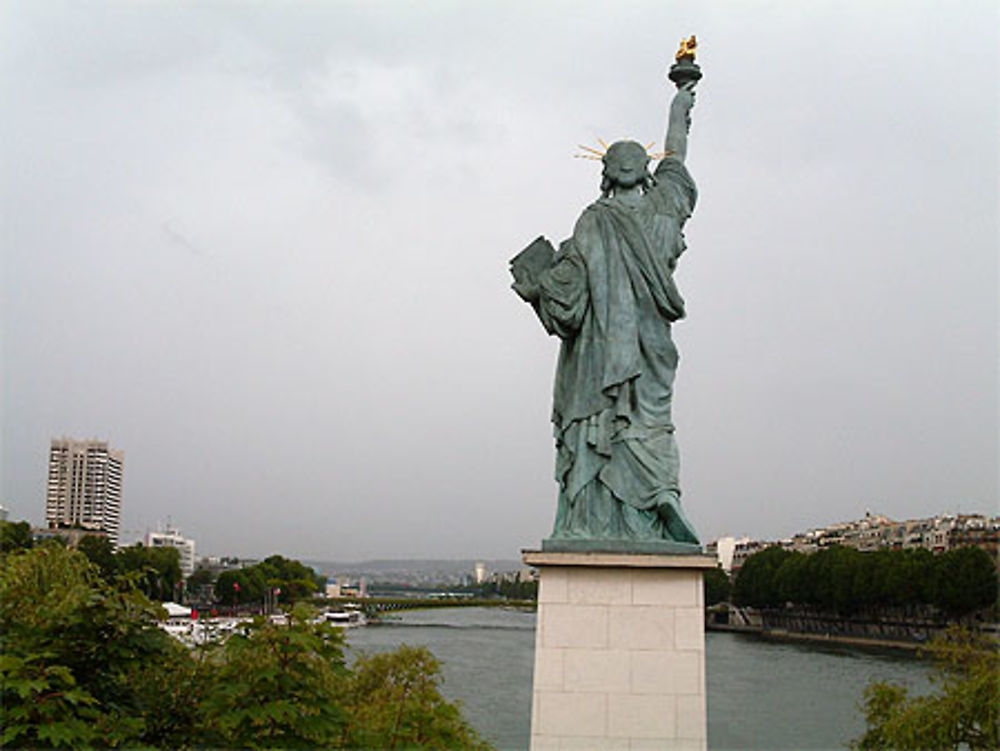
[679,122]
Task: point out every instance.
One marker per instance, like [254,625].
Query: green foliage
[202,577]
[793,579]
[83,663]
[67,638]
[518,590]
[717,586]
[965,581]
[157,570]
[42,707]
[279,686]
[910,577]
[295,581]
[239,587]
[964,713]
[505,588]
[15,536]
[288,582]
[756,584]
[844,580]
[101,552]
[395,703]
[833,571]
[169,695]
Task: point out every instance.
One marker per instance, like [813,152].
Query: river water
[761,695]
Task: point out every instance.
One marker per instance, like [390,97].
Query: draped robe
[610,296]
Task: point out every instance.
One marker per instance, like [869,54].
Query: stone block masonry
[619,651]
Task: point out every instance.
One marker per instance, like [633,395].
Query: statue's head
[625,166]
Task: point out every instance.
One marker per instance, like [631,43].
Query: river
[761,695]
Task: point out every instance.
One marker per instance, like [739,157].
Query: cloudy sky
[262,248]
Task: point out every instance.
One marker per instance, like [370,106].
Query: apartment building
[84,489]
[171,538]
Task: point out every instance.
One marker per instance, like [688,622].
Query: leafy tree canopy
[963,713]
[395,703]
[15,536]
[202,577]
[965,580]
[288,582]
[156,570]
[83,663]
[756,583]
[844,580]
[717,586]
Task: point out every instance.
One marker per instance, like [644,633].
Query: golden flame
[687,50]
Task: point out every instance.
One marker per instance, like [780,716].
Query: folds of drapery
[610,296]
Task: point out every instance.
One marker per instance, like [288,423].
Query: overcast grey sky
[262,248]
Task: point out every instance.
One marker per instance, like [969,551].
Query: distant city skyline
[263,248]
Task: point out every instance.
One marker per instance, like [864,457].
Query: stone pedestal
[619,651]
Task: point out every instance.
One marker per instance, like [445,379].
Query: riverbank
[762,693]
[784,635]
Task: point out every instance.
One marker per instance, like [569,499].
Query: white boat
[350,616]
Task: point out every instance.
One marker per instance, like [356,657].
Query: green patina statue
[609,294]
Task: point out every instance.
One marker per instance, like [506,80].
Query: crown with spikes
[598,154]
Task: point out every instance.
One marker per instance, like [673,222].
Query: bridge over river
[373,606]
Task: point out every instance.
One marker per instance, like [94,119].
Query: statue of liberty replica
[609,295]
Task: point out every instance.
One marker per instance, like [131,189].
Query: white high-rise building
[85,486]
[172,538]
[724,549]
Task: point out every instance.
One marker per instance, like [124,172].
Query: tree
[755,584]
[295,580]
[793,579]
[15,536]
[170,694]
[287,580]
[717,586]
[912,578]
[200,586]
[965,712]
[68,638]
[515,589]
[101,552]
[395,703]
[279,686]
[833,572]
[965,580]
[156,570]
[42,707]
[243,586]
[83,663]
[201,577]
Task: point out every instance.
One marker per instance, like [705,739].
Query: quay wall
[790,625]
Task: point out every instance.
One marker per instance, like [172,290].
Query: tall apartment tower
[85,486]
